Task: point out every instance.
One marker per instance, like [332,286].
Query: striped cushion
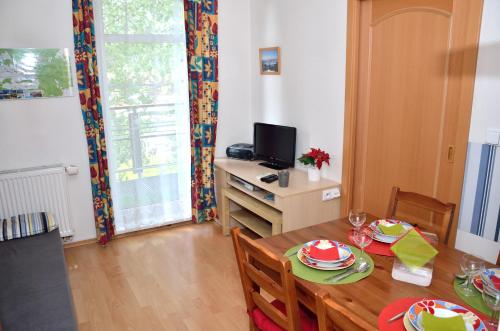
[26,225]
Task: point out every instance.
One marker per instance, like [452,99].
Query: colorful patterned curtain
[90,100]
[202,56]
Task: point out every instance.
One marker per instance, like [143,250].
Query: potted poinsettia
[314,160]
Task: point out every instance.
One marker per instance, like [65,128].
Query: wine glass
[357,218]
[362,238]
[491,297]
[470,265]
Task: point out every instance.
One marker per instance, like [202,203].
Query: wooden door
[411,68]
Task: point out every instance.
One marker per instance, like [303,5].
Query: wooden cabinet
[296,206]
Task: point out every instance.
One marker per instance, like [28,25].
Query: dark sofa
[34,286]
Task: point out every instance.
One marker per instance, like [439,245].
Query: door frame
[465,93]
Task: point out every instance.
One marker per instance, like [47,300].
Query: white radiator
[34,190]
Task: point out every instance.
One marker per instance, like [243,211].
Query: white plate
[328,264]
[383,238]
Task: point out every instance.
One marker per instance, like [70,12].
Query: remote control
[269,179]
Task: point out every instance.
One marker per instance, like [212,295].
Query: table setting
[413,249]
[479,287]
[329,262]
[384,232]
[414,253]
[414,295]
[423,314]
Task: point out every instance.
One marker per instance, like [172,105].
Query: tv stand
[274,165]
[299,205]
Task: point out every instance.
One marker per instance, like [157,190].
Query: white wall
[486,103]
[235,124]
[48,131]
[45,131]
[485,115]
[309,93]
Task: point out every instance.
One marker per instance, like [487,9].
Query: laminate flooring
[183,278]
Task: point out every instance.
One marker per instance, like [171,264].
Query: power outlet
[493,137]
[331,194]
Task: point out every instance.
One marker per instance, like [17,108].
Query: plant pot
[313,174]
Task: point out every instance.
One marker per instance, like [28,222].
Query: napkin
[324,250]
[392,230]
[413,249]
[433,323]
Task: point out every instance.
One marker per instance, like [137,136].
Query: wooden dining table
[370,295]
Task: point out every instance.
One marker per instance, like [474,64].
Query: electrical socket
[493,137]
[331,194]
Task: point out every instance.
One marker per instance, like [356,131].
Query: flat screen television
[274,144]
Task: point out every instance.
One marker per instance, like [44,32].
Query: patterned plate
[344,252]
[326,266]
[478,282]
[382,238]
[385,238]
[407,324]
[375,228]
[442,308]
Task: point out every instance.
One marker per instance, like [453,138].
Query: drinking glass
[357,218]
[362,237]
[470,265]
[491,297]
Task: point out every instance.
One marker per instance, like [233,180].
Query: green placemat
[475,301]
[318,276]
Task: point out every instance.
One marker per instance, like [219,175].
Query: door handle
[451,153]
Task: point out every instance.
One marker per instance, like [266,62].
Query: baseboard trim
[158,228]
[80,243]
[129,234]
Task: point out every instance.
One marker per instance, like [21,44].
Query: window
[142,57]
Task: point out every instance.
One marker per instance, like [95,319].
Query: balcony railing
[138,124]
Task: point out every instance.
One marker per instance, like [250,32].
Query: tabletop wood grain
[370,295]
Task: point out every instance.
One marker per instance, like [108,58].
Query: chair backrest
[437,221]
[252,259]
[332,316]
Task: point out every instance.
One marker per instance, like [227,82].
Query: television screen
[275,144]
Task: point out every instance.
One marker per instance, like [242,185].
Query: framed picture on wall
[28,73]
[270,61]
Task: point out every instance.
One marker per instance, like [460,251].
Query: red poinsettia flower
[315,157]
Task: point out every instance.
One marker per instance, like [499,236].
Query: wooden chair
[283,312]
[439,225]
[332,316]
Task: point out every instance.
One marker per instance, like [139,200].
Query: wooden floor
[183,278]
